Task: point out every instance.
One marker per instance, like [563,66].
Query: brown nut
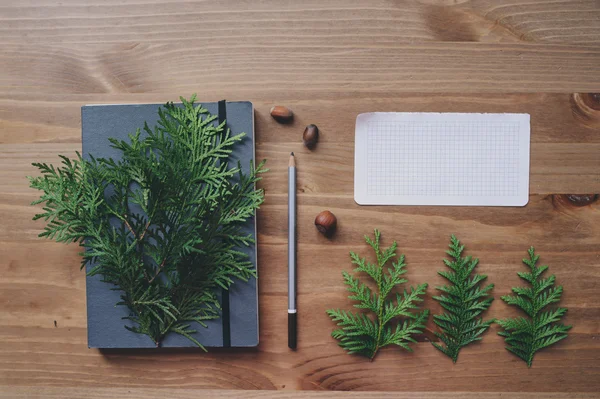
[282,114]
[310,136]
[326,223]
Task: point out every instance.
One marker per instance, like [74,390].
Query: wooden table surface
[328,61]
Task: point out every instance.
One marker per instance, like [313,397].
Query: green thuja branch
[364,335]
[540,329]
[463,301]
[164,223]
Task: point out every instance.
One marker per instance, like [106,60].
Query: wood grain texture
[145,393]
[328,61]
[304,23]
[273,71]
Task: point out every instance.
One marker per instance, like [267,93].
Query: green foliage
[163,224]
[540,329]
[363,335]
[463,301]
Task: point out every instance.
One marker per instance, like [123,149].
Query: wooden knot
[586,108]
[425,336]
[581,199]
[593,100]
[563,202]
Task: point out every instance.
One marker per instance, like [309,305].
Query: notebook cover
[105,326]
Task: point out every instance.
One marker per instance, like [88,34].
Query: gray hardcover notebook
[238,326]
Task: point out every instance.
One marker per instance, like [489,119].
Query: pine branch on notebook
[167,259]
[363,335]
[463,301]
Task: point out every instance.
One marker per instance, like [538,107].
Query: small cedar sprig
[363,335]
[463,301]
[540,329]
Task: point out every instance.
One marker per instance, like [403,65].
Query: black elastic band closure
[225,293]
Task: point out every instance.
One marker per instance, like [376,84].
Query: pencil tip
[292,154]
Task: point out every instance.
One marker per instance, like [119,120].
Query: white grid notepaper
[442,159]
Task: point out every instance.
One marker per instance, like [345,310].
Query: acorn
[310,136]
[282,114]
[326,223]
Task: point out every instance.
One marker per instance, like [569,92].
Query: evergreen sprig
[163,224]
[540,329]
[364,335]
[463,301]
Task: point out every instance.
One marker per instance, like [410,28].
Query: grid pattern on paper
[443,158]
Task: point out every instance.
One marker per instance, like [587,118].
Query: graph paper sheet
[441,159]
